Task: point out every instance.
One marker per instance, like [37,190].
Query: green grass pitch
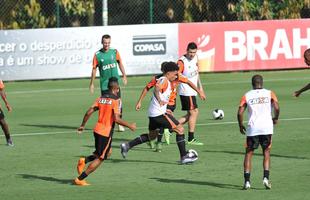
[43,161]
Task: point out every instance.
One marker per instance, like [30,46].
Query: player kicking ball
[109,114]
[159,118]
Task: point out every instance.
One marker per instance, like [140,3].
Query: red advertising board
[251,45]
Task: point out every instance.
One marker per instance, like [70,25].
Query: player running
[260,103]
[109,114]
[171,104]
[159,118]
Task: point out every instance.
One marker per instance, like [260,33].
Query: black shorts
[188,102]
[162,121]
[171,107]
[102,146]
[252,142]
[1,114]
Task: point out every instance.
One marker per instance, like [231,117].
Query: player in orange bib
[4,125]
[260,103]
[109,114]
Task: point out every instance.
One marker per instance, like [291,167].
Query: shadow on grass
[113,160]
[53,126]
[260,154]
[208,183]
[46,178]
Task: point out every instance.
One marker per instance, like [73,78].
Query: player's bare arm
[276,112]
[242,128]
[298,92]
[121,67]
[92,79]
[3,96]
[156,94]
[200,92]
[119,120]
[87,115]
[143,94]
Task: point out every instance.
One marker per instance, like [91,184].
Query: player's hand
[80,129]
[125,80]
[138,106]
[275,121]
[9,107]
[133,127]
[91,88]
[296,94]
[202,95]
[242,129]
[162,103]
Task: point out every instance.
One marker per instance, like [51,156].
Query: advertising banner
[248,45]
[68,52]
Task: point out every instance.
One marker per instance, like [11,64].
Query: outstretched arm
[298,92]
[200,92]
[87,115]
[3,96]
[143,94]
[242,128]
[120,121]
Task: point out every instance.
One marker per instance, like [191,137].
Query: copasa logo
[149,45]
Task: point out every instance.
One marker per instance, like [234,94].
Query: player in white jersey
[188,67]
[306,87]
[159,118]
[261,103]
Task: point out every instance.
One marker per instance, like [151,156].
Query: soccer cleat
[267,183]
[80,182]
[124,149]
[247,185]
[195,142]
[80,166]
[167,136]
[188,159]
[159,147]
[121,128]
[9,143]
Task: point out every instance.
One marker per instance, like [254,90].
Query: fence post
[105,12]
[57,14]
[151,12]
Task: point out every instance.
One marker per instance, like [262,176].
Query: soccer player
[107,60]
[109,114]
[171,104]
[260,103]
[4,125]
[307,87]
[159,118]
[188,67]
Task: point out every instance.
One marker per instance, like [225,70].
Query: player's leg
[102,149]
[146,137]
[5,128]
[158,147]
[120,127]
[265,141]
[193,115]
[251,144]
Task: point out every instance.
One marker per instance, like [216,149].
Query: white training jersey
[191,72]
[165,90]
[259,106]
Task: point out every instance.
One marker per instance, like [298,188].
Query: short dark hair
[257,80]
[169,67]
[113,81]
[162,66]
[191,45]
[106,36]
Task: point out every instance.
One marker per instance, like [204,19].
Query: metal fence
[23,14]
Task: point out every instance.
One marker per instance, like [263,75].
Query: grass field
[46,114]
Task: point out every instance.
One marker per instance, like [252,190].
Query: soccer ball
[218,114]
[192,153]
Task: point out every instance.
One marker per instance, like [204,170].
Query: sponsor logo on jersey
[149,45]
[260,100]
